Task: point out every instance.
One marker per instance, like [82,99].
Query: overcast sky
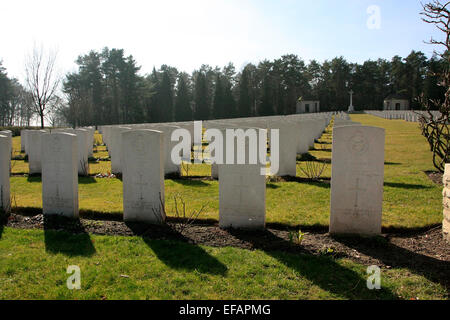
[186,34]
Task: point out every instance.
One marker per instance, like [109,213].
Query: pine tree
[219,99]
[201,97]
[267,98]
[183,111]
[245,101]
[154,111]
[166,98]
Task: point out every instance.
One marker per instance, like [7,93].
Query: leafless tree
[42,79]
[434,127]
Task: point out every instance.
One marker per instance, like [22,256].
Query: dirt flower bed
[423,251]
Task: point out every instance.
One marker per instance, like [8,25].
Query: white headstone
[23,140]
[9,134]
[288,145]
[34,152]
[59,174]
[27,141]
[169,166]
[143,175]
[242,195]
[90,141]
[83,159]
[5,160]
[115,148]
[357,180]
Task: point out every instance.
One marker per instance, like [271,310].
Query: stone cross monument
[351,108]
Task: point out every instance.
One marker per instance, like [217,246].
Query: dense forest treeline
[15,101]
[108,88]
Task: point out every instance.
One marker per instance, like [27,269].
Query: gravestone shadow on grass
[36,177]
[3,221]
[323,182]
[323,271]
[406,185]
[70,239]
[86,180]
[191,182]
[435,270]
[179,254]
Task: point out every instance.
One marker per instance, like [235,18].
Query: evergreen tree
[183,110]
[266,108]
[201,97]
[166,98]
[245,100]
[154,111]
[219,99]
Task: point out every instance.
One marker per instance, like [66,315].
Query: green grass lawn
[33,265]
[411,200]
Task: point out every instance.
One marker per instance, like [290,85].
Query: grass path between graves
[33,265]
[411,199]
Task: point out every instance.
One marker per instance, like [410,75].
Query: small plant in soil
[186,218]
[314,168]
[300,236]
[296,237]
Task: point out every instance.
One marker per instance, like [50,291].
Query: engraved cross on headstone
[357,188]
[242,187]
[141,184]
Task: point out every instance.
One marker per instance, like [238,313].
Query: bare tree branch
[435,126]
[42,80]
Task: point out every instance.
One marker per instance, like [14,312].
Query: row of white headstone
[31,144]
[297,135]
[356,187]
[242,188]
[410,116]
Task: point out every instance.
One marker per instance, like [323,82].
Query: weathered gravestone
[305,138]
[23,139]
[83,158]
[59,174]
[169,166]
[34,152]
[288,143]
[90,141]
[357,180]
[9,134]
[143,175]
[115,147]
[446,203]
[5,160]
[242,193]
[216,147]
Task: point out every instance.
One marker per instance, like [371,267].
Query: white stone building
[396,102]
[308,106]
